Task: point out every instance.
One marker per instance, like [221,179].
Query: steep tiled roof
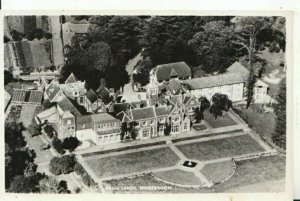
[213,81]
[237,67]
[174,86]
[176,99]
[66,105]
[123,117]
[164,71]
[70,88]
[142,113]
[27,96]
[52,90]
[162,111]
[91,95]
[95,118]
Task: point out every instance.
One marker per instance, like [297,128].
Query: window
[145,133]
[69,122]
[161,129]
[151,122]
[144,123]
[185,126]
[114,124]
[81,99]
[108,125]
[175,129]
[112,138]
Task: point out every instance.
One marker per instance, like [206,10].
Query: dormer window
[75,93]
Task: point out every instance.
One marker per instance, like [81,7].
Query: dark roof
[213,81]
[104,94]
[191,101]
[176,99]
[27,96]
[162,111]
[237,67]
[95,118]
[142,113]
[66,105]
[91,95]
[165,71]
[119,107]
[122,116]
[174,86]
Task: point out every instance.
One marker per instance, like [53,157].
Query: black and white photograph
[145,104]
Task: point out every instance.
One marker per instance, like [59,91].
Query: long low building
[231,84]
[23,96]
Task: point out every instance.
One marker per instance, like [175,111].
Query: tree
[8,77]
[70,143]
[34,129]
[79,169]
[16,36]
[97,56]
[47,104]
[198,115]
[49,130]
[22,184]
[167,130]
[212,45]
[57,145]
[279,135]
[220,103]
[143,68]
[87,180]
[13,135]
[49,185]
[30,170]
[247,30]
[133,133]
[63,165]
[204,105]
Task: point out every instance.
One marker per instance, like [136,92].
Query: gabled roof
[237,67]
[71,79]
[142,113]
[70,88]
[165,71]
[96,118]
[91,95]
[174,86]
[52,90]
[162,111]
[191,101]
[214,81]
[176,99]
[27,96]
[66,105]
[104,94]
[123,117]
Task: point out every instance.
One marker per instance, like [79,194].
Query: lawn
[216,172]
[27,114]
[263,123]
[219,122]
[19,85]
[220,148]
[148,180]
[133,162]
[178,176]
[255,171]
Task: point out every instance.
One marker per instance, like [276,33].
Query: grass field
[27,114]
[219,122]
[216,172]
[220,148]
[133,162]
[178,176]
[263,123]
[254,171]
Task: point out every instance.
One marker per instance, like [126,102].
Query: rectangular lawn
[220,121]
[220,148]
[27,114]
[133,162]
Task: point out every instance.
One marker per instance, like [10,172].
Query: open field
[220,148]
[133,162]
[216,172]
[219,122]
[255,171]
[27,114]
[178,176]
[252,172]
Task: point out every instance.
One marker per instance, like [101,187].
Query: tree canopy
[220,103]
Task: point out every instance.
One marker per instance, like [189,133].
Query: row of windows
[107,125]
[106,139]
[146,123]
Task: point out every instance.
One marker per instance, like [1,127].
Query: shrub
[87,180]
[79,169]
[57,145]
[62,165]
[34,129]
[49,130]
[70,143]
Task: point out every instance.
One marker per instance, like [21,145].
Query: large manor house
[170,100]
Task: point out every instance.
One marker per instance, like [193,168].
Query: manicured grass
[220,148]
[220,121]
[148,180]
[216,172]
[27,114]
[255,171]
[133,162]
[178,176]
[263,123]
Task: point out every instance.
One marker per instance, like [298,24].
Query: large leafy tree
[246,31]
[279,135]
[220,103]
[212,45]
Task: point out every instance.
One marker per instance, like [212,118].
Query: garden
[226,120]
